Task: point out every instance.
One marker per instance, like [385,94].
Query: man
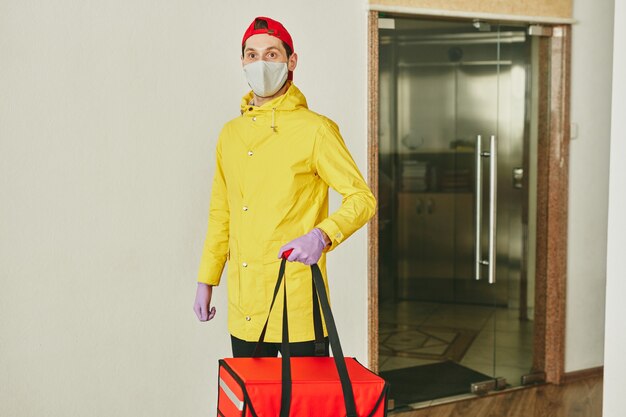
[274,164]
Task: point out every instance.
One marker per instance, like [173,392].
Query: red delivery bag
[316,386]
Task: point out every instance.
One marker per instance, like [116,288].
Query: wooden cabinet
[425,235]
[434,243]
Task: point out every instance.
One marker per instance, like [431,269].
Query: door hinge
[386,23]
[483,387]
[538,377]
[539,30]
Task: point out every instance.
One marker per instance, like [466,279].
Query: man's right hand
[203,301]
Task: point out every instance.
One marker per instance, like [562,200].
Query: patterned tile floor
[489,340]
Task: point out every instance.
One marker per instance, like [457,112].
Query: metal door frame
[552,197]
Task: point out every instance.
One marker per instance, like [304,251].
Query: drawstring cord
[273,126]
[273,119]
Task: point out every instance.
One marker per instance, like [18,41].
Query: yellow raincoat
[273,168]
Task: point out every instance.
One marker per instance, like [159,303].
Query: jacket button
[254,118]
[245,208]
[245,264]
[248,318]
[250,153]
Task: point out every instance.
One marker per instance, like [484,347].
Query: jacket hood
[293,99]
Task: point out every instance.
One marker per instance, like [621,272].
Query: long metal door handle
[478,188]
[492,154]
[493,189]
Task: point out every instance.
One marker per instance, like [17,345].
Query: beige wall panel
[109,116]
[554,8]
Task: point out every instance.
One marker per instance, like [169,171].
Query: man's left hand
[307,248]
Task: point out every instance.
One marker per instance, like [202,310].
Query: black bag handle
[319,292]
[335,344]
[320,346]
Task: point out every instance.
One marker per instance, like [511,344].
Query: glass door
[454,126]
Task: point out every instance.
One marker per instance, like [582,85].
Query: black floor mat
[427,382]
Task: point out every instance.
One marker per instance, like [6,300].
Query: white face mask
[265,78]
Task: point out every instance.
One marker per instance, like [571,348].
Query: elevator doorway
[458,131]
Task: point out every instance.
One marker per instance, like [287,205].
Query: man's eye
[272,55]
[250,55]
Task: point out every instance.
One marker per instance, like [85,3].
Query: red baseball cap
[274,28]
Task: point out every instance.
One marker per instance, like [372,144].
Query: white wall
[592,41]
[615,342]
[108,121]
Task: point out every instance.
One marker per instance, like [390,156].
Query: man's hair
[262,24]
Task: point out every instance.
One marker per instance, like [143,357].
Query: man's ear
[292,63]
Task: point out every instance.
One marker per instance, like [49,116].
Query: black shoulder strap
[285,399]
[335,344]
[281,273]
[320,346]
[319,292]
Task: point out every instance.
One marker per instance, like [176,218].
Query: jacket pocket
[234,287]
[270,252]
[233,283]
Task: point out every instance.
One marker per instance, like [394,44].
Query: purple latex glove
[306,249]
[203,301]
